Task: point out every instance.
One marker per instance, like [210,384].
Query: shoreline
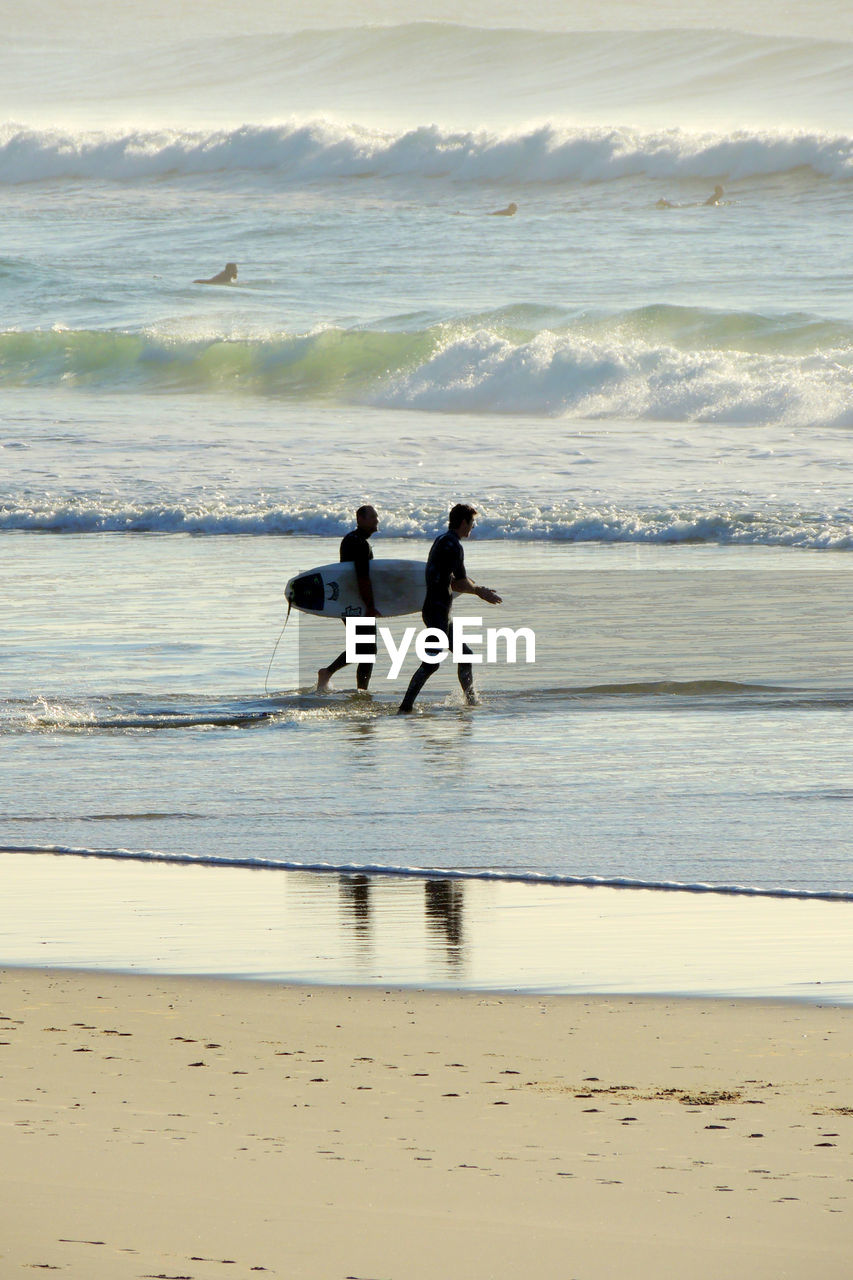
[185,1126]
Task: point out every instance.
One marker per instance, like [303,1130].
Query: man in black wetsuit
[445,575]
[355,547]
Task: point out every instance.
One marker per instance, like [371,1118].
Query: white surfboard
[331,591]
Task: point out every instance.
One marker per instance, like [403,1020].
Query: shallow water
[678,724]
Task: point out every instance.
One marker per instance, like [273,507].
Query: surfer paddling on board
[446,576]
[713,200]
[356,548]
[227,275]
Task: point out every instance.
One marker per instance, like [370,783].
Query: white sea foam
[726,523]
[299,152]
[561,374]
[688,366]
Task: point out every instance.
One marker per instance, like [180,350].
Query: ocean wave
[718,523]
[326,362]
[562,374]
[652,364]
[296,153]
[433,873]
[438,71]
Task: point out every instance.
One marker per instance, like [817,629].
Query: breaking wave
[659,363]
[720,523]
[301,152]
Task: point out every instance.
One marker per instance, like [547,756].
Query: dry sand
[157,1127]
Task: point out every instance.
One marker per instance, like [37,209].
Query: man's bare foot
[324,675]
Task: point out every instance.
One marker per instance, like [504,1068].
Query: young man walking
[446,577]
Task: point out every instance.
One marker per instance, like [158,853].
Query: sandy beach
[190,1127]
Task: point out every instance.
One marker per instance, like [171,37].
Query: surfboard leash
[275,650]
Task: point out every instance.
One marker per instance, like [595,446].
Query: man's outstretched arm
[465,587]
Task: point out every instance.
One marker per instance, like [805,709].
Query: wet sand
[125,915]
[192,1127]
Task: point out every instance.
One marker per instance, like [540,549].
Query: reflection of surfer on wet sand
[355,891]
[443,903]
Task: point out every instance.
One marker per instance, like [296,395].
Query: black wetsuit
[446,562]
[356,548]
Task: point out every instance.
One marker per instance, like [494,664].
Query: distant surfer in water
[446,576]
[226,276]
[356,548]
[510,211]
[714,199]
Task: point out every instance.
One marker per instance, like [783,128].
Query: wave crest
[558,374]
[655,364]
[299,152]
[715,522]
[183,69]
